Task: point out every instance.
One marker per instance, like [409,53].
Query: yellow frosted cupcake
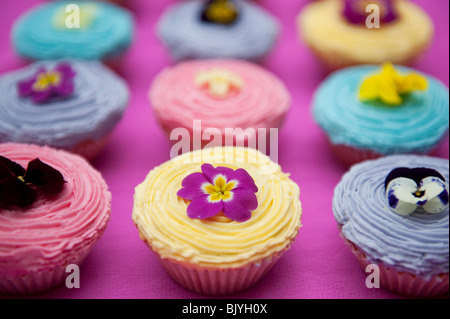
[218,219]
[351,32]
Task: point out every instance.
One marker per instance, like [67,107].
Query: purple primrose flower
[220,189]
[355,10]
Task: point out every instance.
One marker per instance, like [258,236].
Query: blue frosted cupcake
[217,29]
[367,112]
[67,104]
[393,213]
[94,30]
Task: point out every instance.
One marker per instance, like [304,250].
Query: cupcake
[342,33]
[217,29]
[218,220]
[92,30]
[393,213]
[68,104]
[53,208]
[223,102]
[367,112]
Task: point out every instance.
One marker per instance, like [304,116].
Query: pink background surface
[319,265]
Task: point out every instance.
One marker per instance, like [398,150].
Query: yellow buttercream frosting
[324,28]
[161,218]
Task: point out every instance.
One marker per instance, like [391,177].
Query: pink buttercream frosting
[58,231]
[261,102]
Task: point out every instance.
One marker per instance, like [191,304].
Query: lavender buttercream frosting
[91,112]
[418,243]
[251,37]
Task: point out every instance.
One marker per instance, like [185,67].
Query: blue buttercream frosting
[416,126]
[90,113]
[109,33]
[417,243]
[250,37]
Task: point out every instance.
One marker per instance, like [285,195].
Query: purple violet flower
[45,84]
[355,10]
[220,189]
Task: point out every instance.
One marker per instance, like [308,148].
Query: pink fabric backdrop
[319,265]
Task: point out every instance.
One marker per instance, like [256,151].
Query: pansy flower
[46,84]
[355,11]
[220,189]
[19,186]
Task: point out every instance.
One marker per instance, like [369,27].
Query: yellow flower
[389,86]
[219,82]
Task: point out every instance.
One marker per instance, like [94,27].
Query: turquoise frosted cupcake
[217,29]
[67,104]
[367,113]
[101,31]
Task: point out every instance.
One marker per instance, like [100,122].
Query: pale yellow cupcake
[339,43]
[217,255]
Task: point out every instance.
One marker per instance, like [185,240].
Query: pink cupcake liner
[349,155]
[219,281]
[90,149]
[401,282]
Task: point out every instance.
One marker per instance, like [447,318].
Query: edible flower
[219,82]
[220,189]
[19,186]
[46,84]
[355,11]
[220,12]
[389,86]
[410,189]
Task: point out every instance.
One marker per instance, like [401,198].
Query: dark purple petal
[192,186]
[14,192]
[245,197]
[41,96]
[66,70]
[236,211]
[25,88]
[65,88]
[47,179]
[416,174]
[201,208]
[245,180]
[355,11]
[211,172]
[10,168]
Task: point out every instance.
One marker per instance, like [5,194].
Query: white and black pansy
[416,189]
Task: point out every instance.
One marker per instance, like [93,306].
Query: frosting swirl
[161,218]
[250,37]
[54,231]
[417,125]
[324,28]
[261,102]
[417,243]
[35,35]
[94,108]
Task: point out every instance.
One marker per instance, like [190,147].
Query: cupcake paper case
[80,121]
[105,32]
[186,36]
[359,130]
[326,29]
[39,241]
[411,251]
[221,94]
[218,255]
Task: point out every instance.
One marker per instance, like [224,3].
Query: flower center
[219,82]
[221,190]
[46,79]
[419,193]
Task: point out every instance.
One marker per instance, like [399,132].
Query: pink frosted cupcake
[218,219]
[207,98]
[53,208]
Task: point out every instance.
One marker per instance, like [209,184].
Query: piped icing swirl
[417,125]
[90,113]
[161,217]
[250,37]
[37,36]
[417,243]
[261,101]
[53,231]
[325,29]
